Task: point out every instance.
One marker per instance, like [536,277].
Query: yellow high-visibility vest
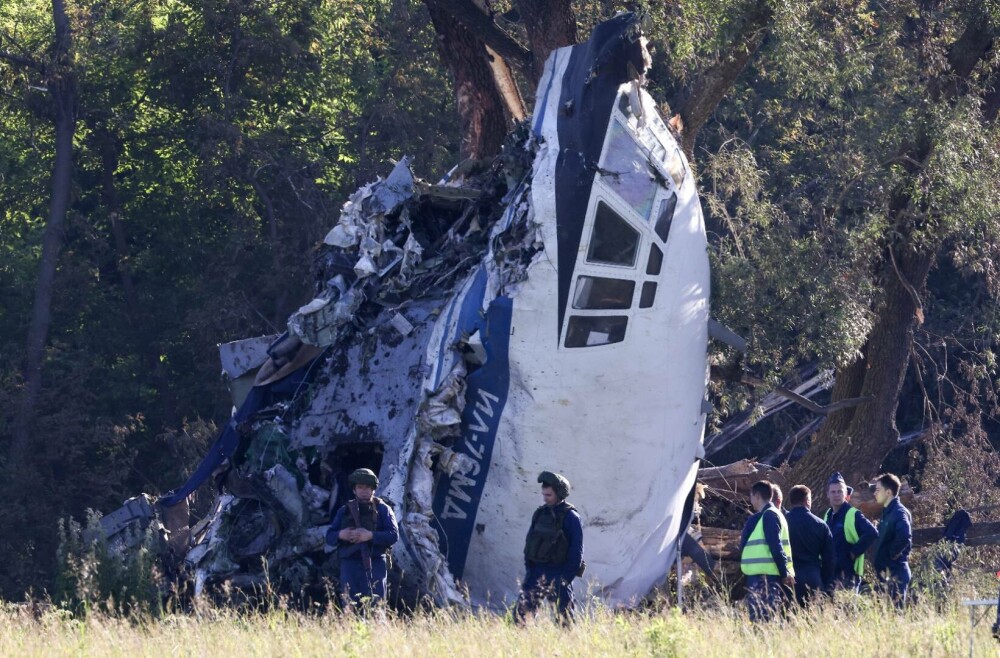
[756,559]
[851,534]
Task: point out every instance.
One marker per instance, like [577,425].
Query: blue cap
[836,478]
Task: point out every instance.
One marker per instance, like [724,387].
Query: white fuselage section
[611,397]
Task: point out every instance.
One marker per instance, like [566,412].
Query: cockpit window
[591,330]
[599,293]
[612,241]
[648,294]
[626,170]
[675,165]
[655,260]
[664,216]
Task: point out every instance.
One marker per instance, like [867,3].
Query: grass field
[851,628]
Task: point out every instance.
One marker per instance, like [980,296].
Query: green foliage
[215,143]
[91,577]
[669,635]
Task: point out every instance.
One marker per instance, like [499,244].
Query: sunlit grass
[855,626]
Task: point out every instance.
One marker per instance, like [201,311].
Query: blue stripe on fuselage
[456,498]
[469,319]
[596,69]
[537,128]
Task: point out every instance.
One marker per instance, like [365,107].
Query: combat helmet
[558,483]
[363,476]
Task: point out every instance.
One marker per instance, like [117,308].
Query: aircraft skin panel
[545,130]
[624,420]
[611,396]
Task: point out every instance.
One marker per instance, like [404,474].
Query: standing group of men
[364,530]
[784,553]
[794,553]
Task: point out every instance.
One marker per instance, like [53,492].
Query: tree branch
[19,60]
[751,380]
[486,30]
[711,86]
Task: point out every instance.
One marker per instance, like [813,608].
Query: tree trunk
[62,88]
[855,441]
[550,24]
[280,312]
[482,119]
[110,152]
[110,147]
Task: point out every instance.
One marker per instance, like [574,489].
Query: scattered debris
[548,309]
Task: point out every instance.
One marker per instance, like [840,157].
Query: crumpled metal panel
[242,356]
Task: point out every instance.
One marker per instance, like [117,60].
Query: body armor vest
[547,542]
[367,514]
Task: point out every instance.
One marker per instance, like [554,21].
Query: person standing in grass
[765,554]
[895,540]
[363,530]
[553,551]
[852,534]
[812,546]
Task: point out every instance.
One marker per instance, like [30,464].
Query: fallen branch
[789,394]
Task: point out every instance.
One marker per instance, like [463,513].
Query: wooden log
[734,480]
[980,534]
[721,543]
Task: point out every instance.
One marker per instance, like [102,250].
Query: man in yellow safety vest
[765,554]
[852,535]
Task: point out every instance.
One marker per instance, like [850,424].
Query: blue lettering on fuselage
[457,497]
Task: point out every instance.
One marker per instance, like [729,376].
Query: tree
[854,165]
[52,70]
[485,90]
[927,171]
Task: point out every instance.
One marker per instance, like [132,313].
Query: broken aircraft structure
[550,312]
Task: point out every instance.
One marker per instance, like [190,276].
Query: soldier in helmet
[553,551]
[363,530]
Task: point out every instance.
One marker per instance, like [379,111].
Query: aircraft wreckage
[550,312]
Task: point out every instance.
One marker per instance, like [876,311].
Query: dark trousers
[538,587]
[896,581]
[358,585]
[765,596]
[808,583]
[846,579]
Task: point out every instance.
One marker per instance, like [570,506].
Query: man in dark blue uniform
[852,534]
[363,530]
[553,551]
[812,546]
[765,555]
[895,539]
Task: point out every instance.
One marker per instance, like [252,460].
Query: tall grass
[854,626]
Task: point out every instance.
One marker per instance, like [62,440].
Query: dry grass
[856,627]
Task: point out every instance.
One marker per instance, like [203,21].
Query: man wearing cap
[363,530]
[553,551]
[765,554]
[852,534]
[895,539]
